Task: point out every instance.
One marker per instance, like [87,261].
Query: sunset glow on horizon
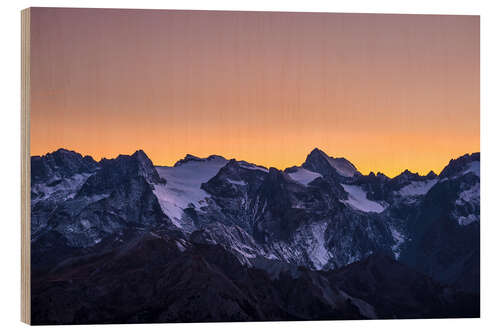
[387,92]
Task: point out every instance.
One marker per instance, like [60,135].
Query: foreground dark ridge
[370,240]
[157,278]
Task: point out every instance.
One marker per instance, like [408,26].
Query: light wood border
[25,168]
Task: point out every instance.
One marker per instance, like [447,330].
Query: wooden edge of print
[25,168]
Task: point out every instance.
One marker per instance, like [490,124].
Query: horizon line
[233,158]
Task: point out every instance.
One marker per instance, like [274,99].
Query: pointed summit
[140,154]
[316,150]
[409,173]
[407,176]
[144,167]
[318,161]
[431,175]
[120,170]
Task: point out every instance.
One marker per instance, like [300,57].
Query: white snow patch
[184,186]
[466,220]
[180,246]
[252,167]
[471,195]
[97,197]
[474,167]
[65,189]
[244,251]
[399,239]
[357,199]
[155,235]
[270,256]
[309,242]
[365,309]
[304,176]
[417,187]
[85,224]
[317,251]
[343,168]
[236,182]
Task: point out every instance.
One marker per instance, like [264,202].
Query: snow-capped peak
[184,184]
[319,161]
[191,158]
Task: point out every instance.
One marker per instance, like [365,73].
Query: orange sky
[388,92]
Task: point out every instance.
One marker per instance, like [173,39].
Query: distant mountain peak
[61,163]
[145,167]
[140,154]
[113,172]
[431,175]
[319,161]
[65,151]
[462,165]
[316,150]
[407,176]
[187,158]
[193,158]
[409,173]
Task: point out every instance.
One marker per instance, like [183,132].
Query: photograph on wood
[220,166]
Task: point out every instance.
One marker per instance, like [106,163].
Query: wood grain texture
[25,168]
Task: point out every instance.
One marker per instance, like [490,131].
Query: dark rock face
[233,191]
[114,173]
[60,164]
[289,220]
[379,280]
[382,188]
[235,173]
[281,216]
[440,247]
[190,158]
[157,278]
[116,197]
[320,241]
[460,164]
[321,163]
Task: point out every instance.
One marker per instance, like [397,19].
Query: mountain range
[212,239]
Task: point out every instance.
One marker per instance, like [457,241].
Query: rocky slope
[252,235]
[157,278]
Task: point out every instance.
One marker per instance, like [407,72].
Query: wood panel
[25,168]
